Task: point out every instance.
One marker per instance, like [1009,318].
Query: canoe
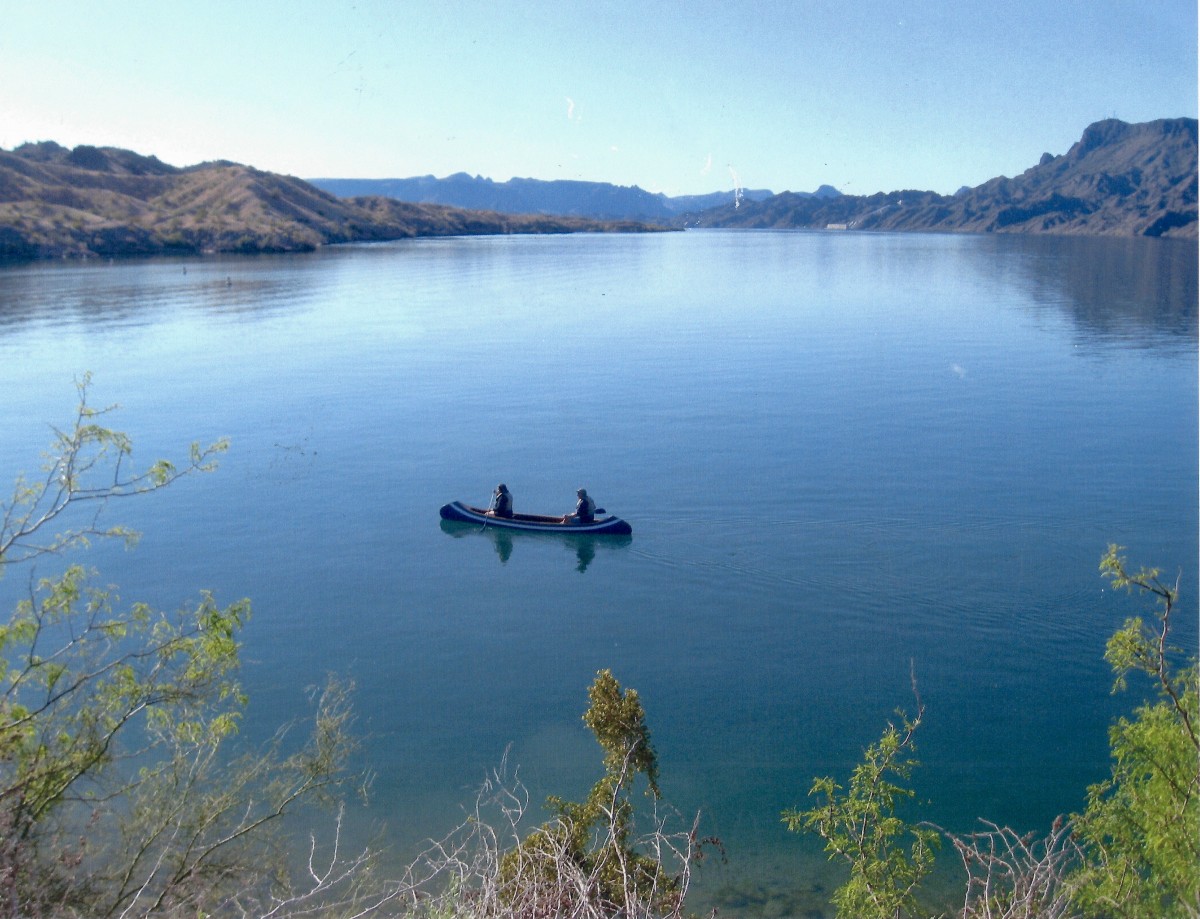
[602,526]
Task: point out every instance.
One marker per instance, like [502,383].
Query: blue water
[847,459]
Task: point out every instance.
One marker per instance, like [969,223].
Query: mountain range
[102,201]
[598,200]
[1119,179]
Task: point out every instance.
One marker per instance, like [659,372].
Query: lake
[847,459]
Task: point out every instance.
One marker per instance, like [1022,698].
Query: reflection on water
[139,293]
[1133,291]
[1117,289]
[583,545]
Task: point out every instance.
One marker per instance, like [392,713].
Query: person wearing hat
[501,502]
[585,509]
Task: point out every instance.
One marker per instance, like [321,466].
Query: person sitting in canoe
[501,502]
[585,509]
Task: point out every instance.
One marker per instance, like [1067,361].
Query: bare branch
[1017,877]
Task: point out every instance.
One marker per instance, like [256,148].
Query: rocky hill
[93,201]
[1118,180]
[597,200]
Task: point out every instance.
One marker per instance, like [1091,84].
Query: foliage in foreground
[1141,828]
[118,792]
[600,858]
[1134,852]
[860,827]
[588,857]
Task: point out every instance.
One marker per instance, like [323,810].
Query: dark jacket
[503,506]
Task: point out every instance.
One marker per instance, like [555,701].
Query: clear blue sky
[677,97]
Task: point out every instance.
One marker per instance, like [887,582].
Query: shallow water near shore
[848,459]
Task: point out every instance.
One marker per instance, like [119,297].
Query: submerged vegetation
[123,791]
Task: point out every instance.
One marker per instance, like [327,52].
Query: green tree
[1141,829]
[860,826]
[118,791]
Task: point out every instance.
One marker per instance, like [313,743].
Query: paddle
[491,506]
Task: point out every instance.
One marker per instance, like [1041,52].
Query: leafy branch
[1138,648]
[860,826]
[87,465]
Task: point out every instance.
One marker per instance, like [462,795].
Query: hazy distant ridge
[598,200]
[1118,180]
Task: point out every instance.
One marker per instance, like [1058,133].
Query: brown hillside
[101,201]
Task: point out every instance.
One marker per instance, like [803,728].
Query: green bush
[1141,828]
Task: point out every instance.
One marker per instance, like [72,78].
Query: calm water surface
[846,458]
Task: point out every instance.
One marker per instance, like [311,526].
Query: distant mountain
[597,200]
[104,201]
[1118,180]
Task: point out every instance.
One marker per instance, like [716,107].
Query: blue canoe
[602,526]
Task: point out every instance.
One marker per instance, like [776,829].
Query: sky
[675,97]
